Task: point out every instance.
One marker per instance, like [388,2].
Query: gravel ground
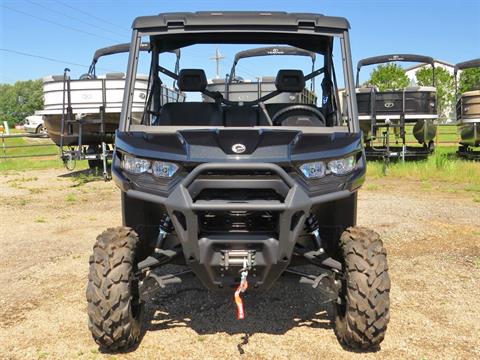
[49,222]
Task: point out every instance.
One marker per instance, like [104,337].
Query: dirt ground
[49,222]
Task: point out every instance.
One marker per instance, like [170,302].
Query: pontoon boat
[82,115]
[380,111]
[468,114]
[235,88]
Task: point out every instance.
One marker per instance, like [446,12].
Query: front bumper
[30,128]
[205,252]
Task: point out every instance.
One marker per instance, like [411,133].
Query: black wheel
[114,309]
[363,311]
[97,163]
[41,129]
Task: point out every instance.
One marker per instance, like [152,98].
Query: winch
[238,258]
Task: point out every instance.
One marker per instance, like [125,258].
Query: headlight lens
[135,165]
[164,169]
[313,170]
[319,169]
[342,166]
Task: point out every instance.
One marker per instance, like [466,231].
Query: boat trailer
[97,156]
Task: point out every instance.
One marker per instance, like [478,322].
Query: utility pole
[218,57]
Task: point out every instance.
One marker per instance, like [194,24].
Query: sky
[69,31]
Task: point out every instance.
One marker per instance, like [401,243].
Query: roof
[395,57]
[475,63]
[273,50]
[123,48]
[436,62]
[232,19]
[117,49]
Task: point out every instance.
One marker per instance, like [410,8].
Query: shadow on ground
[87,175]
[286,305]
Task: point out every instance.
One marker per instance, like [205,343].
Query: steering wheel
[299,107]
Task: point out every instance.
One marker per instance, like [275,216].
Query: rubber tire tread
[109,292]
[367,290]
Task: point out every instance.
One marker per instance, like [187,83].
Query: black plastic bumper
[205,253]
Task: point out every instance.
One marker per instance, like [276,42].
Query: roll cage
[309,32]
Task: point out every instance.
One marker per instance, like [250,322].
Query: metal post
[104,160]
[218,57]
[350,89]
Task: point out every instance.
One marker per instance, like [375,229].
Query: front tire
[363,312]
[115,312]
[41,129]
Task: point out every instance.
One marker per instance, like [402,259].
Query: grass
[443,166]
[446,134]
[51,161]
[47,147]
[71,198]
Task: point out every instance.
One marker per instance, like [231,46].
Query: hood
[246,145]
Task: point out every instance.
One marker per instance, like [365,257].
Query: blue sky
[68,30]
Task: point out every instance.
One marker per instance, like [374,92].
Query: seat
[190,114]
[240,116]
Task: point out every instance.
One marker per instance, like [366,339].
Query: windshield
[238,85]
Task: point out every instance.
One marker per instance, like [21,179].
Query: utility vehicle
[468,114]
[239,192]
[391,110]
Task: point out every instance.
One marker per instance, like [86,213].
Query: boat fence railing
[6,148]
[446,135]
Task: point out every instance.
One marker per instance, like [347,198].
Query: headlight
[318,169]
[135,165]
[342,166]
[313,170]
[164,169]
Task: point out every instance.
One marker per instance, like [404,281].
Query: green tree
[20,100]
[469,80]
[389,77]
[445,84]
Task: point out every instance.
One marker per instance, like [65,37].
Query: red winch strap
[238,300]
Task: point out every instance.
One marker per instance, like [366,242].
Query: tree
[389,77]
[469,80]
[20,100]
[445,84]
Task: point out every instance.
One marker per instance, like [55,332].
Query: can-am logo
[275,52]
[389,105]
[238,148]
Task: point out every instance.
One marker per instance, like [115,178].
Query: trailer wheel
[96,164]
[114,309]
[363,311]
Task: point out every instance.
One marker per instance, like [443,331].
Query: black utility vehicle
[239,192]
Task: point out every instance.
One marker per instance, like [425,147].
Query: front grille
[236,195]
[258,222]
